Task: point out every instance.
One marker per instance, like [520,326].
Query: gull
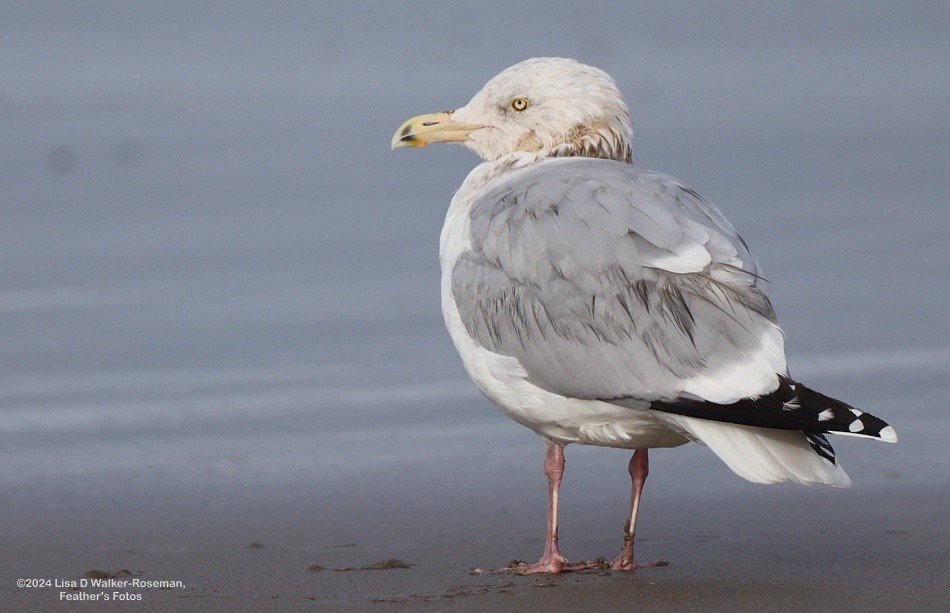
[601,304]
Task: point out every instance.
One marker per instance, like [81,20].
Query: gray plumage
[608,282]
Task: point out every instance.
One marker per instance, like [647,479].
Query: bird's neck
[598,140]
[490,170]
[602,141]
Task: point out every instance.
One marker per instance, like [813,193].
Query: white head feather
[572,110]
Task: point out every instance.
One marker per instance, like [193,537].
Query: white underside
[760,455]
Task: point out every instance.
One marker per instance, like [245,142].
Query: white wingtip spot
[857,412]
[888,435]
[826,415]
[856,426]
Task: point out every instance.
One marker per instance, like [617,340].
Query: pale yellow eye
[520,104]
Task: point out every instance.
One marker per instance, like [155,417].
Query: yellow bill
[432,128]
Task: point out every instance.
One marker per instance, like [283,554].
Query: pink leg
[551,561]
[639,470]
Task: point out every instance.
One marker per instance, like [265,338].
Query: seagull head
[552,107]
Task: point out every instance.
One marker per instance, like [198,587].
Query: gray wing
[609,282]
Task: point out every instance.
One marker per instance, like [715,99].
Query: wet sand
[866,566]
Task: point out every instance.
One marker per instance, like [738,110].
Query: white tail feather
[762,455]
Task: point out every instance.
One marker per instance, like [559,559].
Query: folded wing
[607,282]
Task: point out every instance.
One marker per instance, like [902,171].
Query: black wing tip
[792,406]
[836,417]
[877,430]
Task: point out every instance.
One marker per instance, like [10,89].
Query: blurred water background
[219,287]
